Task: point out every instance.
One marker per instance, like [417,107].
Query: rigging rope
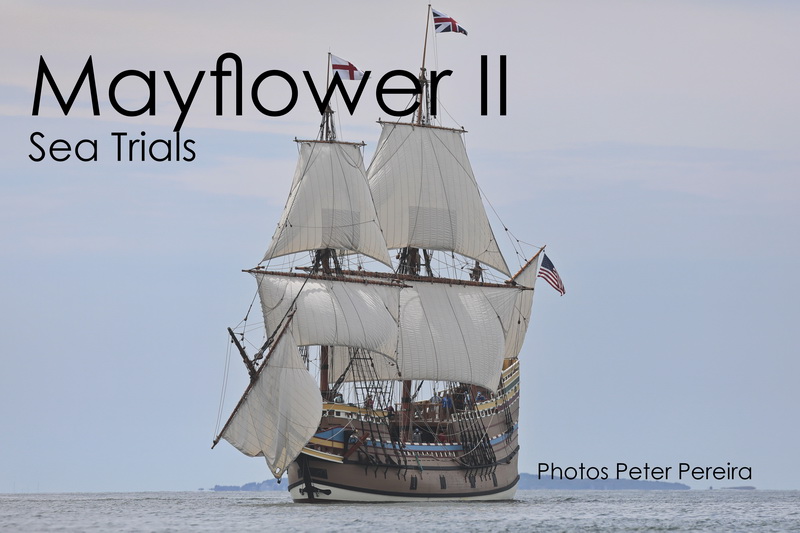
[224,388]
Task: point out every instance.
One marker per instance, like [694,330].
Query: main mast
[423,79]
[410,256]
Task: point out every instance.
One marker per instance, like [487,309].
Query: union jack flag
[443,23]
[549,273]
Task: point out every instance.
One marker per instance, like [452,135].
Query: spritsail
[280,410]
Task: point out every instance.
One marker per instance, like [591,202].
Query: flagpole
[327,116]
[425,45]
[328,72]
[327,128]
[422,70]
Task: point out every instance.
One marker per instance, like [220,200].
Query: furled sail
[426,195]
[330,205]
[521,315]
[280,410]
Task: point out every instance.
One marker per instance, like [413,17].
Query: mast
[327,132]
[323,261]
[323,256]
[405,398]
[327,128]
[409,257]
[422,77]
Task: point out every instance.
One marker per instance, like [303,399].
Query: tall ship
[388,369]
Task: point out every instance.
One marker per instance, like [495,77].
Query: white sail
[426,195]
[521,315]
[332,312]
[330,205]
[454,332]
[422,330]
[279,412]
[446,332]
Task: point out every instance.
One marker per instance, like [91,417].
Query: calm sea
[716,510]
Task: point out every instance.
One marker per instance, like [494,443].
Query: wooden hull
[359,483]
[358,457]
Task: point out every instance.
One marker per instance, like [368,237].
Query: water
[532,511]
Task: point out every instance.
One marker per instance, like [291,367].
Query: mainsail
[330,205]
[279,412]
[426,195]
[454,332]
[331,312]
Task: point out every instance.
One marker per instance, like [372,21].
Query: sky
[654,147]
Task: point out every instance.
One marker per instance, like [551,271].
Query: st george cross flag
[345,69]
[443,23]
[548,272]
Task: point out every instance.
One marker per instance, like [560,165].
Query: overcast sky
[652,146]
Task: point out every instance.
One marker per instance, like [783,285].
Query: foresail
[330,205]
[279,412]
[332,312]
[426,195]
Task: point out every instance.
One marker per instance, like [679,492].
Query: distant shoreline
[526,482]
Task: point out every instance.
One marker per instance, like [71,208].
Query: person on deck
[447,406]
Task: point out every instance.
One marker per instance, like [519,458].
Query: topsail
[426,194]
[330,205]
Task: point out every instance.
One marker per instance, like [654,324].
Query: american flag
[549,273]
[443,23]
[345,69]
